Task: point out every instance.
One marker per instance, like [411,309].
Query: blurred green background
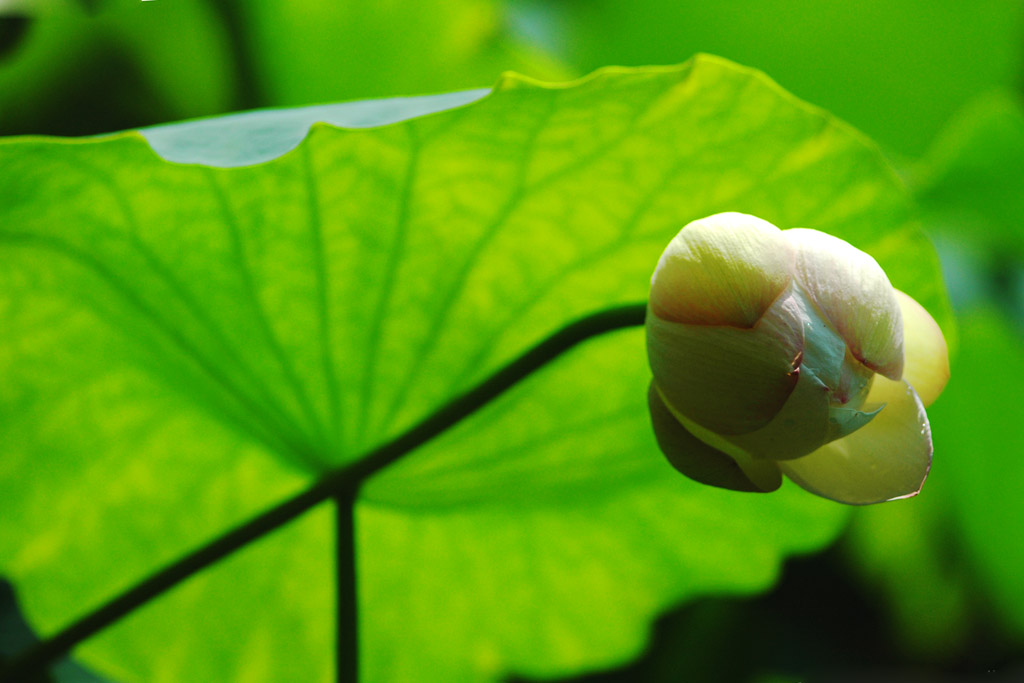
[927,589]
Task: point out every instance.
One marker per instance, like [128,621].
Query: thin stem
[345,481]
[248,94]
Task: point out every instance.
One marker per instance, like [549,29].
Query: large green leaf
[183,345]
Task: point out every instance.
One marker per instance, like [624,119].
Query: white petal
[854,293]
[926,366]
[725,269]
[884,460]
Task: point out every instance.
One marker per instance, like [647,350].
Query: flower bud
[789,352]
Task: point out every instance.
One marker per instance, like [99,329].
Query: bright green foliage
[970,182]
[897,69]
[174,53]
[188,58]
[375,48]
[980,424]
[183,345]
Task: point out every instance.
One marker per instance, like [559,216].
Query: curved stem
[342,484]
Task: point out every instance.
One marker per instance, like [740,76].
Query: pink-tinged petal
[926,365]
[691,456]
[726,379]
[853,292]
[887,459]
[725,269]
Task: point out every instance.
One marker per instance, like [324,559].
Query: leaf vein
[390,274]
[431,339]
[276,440]
[316,229]
[247,276]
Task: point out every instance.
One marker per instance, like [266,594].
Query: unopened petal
[726,379]
[806,422]
[887,459]
[691,456]
[801,427]
[853,292]
[926,365]
[725,269]
[763,473]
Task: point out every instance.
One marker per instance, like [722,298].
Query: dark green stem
[346,655]
[248,93]
[342,484]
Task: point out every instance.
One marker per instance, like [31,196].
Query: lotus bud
[788,352]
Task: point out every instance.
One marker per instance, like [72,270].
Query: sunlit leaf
[183,345]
